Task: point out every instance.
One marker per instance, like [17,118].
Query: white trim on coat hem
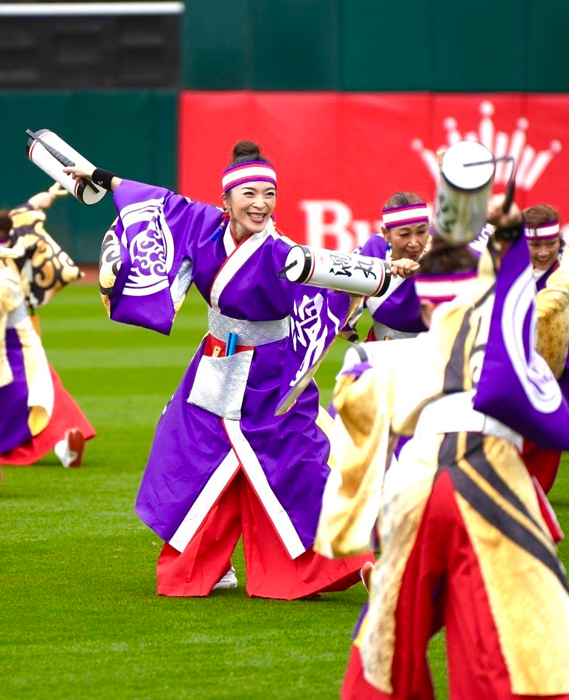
[254,471]
[205,501]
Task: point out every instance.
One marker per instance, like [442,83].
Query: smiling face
[249,206]
[544,253]
[407,241]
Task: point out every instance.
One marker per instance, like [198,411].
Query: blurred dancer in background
[37,415]
[466,543]
[543,235]
[403,239]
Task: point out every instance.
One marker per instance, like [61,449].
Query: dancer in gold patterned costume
[466,542]
[36,413]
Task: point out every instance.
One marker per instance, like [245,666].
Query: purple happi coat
[222,416]
[14,411]
[396,313]
[541,277]
[534,404]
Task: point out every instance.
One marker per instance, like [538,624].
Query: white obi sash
[453,413]
[220,382]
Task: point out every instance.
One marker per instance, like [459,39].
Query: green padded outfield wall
[131,133]
[281,45]
[376,45]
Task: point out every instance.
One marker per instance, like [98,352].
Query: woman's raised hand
[496,216]
[405,267]
[78,173]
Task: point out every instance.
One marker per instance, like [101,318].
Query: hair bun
[246,149]
[6,222]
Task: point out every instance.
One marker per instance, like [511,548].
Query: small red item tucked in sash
[216,348]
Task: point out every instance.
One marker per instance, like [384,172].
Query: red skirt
[442,585]
[541,463]
[66,415]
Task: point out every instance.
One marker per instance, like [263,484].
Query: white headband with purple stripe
[408,214]
[549,229]
[248,172]
[441,288]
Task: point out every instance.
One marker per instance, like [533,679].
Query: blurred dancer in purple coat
[543,235]
[403,239]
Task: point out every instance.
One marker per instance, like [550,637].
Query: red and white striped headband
[440,288]
[549,229]
[408,214]
[253,171]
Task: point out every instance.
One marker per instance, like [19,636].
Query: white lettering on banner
[330,224]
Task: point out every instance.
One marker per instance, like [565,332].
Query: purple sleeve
[375,247]
[516,386]
[154,247]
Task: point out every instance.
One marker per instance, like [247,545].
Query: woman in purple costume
[222,463]
[543,236]
[403,240]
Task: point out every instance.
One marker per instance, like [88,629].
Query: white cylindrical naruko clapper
[52,166]
[345,272]
[463,191]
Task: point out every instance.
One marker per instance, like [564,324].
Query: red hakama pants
[271,573]
[442,585]
[541,463]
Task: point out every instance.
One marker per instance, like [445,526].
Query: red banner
[339,156]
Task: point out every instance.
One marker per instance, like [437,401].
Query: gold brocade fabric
[523,577]
[38,378]
[36,368]
[357,460]
[553,318]
[401,510]
[50,268]
[411,373]
[11,297]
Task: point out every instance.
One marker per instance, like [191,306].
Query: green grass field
[80,618]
